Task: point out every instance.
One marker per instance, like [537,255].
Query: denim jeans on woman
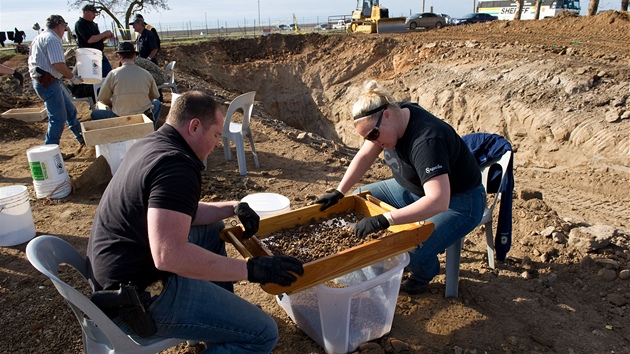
[60,110]
[464,213]
[210,312]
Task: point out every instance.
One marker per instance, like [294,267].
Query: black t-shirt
[428,148]
[158,171]
[85,29]
[145,43]
[155,34]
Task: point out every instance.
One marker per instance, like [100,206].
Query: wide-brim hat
[126,47]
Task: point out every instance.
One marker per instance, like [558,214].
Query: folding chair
[453,252]
[237,131]
[89,100]
[100,334]
[169,73]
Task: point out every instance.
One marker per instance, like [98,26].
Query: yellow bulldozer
[371,17]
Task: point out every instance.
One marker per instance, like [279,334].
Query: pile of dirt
[557,89]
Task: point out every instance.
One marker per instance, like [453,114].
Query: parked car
[321,27]
[283,27]
[476,17]
[447,18]
[425,20]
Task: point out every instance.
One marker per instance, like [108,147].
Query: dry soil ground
[556,88]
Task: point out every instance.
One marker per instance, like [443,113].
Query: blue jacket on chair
[488,147]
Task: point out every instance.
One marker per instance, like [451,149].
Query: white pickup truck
[341,24]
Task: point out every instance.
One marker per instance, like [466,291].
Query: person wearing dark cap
[146,42]
[89,36]
[152,29]
[47,65]
[129,89]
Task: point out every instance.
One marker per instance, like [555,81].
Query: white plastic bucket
[114,152]
[90,65]
[53,190]
[16,219]
[50,177]
[268,204]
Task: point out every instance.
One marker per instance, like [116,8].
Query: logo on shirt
[391,160]
[431,169]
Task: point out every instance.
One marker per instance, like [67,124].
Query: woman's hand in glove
[370,225]
[330,199]
[248,217]
[281,270]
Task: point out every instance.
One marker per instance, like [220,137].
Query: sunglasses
[375,133]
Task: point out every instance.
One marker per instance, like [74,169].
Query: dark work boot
[414,287]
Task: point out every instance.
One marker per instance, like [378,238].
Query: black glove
[18,75]
[329,199]
[248,218]
[369,225]
[274,269]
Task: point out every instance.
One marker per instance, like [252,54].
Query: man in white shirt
[47,65]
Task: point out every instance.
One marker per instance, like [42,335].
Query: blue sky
[24,13]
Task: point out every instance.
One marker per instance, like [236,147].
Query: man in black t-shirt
[146,42]
[152,231]
[152,29]
[89,36]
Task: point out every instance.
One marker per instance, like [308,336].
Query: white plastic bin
[114,152]
[342,318]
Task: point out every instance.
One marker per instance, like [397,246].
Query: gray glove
[76,80]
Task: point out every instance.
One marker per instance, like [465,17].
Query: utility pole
[259,24]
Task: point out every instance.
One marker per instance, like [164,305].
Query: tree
[123,8]
[624,5]
[592,8]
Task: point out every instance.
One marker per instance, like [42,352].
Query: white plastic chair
[169,73]
[100,334]
[89,100]
[453,252]
[237,131]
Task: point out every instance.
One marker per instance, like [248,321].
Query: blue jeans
[209,312]
[60,110]
[464,213]
[102,113]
